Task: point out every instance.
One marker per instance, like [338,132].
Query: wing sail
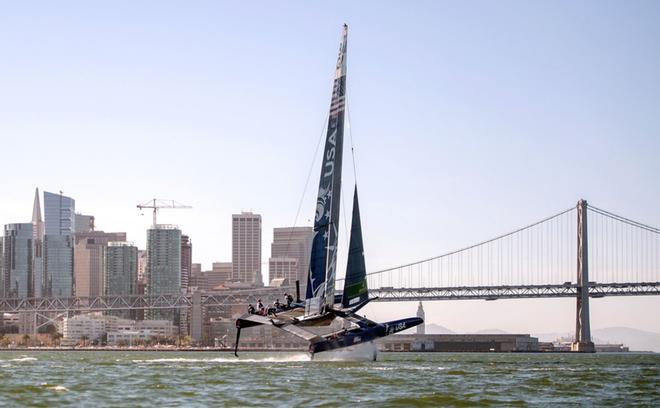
[323,261]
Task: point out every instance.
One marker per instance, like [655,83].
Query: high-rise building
[199,282]
[59,212]
[142,265]
[83,223]
[221,273]
[38,277]
[186,262]
[290,244]
[89,261]
[196,269]
[17,244]
[121,269]
[283,268]
[2,275]
[246,247]
[163,270]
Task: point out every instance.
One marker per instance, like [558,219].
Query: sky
[468,119]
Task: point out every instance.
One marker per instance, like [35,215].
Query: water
[260,379]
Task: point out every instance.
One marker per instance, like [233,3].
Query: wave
[362,352]
[22,358]
[57,388]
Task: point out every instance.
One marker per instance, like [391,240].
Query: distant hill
[433,328]
[636,340]
[491,331]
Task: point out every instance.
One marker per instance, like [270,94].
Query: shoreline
[231,351]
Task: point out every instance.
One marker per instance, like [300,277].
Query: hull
[361,335]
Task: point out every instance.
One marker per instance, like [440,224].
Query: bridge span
[74,305]
[582,252]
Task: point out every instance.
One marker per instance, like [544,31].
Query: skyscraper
[2,274]
[59,212]
[142,265]
[289,254]
[89,261]
[163,271]
[246,247]
[84,223]
[38,278]
[17,244]
[186,262]
[120,269]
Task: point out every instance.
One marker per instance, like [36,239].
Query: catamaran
[321,306]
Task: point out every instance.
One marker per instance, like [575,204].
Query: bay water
[169,379]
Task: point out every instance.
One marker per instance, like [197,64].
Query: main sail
[323,260]
[355,285]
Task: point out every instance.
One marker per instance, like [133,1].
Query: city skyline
[463,129]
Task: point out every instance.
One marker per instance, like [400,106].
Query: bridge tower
[582,341]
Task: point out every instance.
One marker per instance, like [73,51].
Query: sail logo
[330,155]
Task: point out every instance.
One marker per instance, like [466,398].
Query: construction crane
[158,203]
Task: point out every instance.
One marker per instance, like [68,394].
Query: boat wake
[285,358]
[361,352]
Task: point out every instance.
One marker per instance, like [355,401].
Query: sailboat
[321,306]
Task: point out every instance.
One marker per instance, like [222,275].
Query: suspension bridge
[582,252]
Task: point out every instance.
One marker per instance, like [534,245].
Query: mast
[323,261]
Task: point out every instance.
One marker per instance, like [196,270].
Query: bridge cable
[477,244]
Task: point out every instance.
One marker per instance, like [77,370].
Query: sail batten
[323,260]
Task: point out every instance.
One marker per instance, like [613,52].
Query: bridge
[582,252]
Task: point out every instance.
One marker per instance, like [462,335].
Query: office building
[220,273]
[197,278]
[2,273]
[84,223]
[246,248]
[120,275]
[142,265]
[163,270]
[289,244]
[89,261]
[186,262]
[59,225]
[283,270]
[17,244]
[120,269]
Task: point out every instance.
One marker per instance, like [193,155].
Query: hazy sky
[468,119]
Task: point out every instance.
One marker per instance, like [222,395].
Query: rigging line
[477,244]
[350,133]
[624,219]
[309,175]
[347,231]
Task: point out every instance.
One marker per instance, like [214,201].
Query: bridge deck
[242,297]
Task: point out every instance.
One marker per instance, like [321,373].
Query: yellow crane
[158,203]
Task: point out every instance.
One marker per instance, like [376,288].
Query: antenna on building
[158,203]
